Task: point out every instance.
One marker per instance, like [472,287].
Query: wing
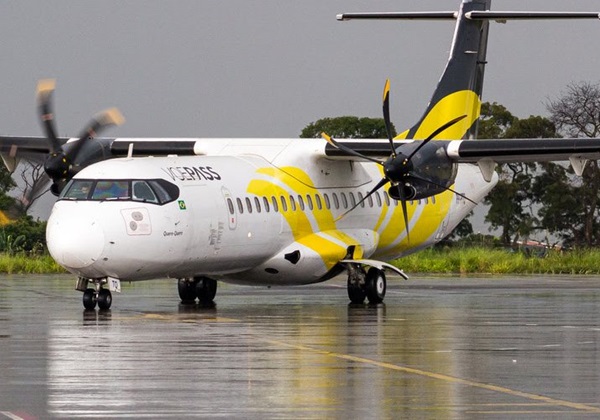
[487,152]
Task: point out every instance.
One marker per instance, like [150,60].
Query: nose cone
[74,240]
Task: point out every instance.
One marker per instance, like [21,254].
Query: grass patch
[499,261]
[22,263]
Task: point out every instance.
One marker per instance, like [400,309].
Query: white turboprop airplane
[279,211]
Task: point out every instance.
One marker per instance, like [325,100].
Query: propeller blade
[377,187]
[435,133]
[442,186]
[404,211]
[386,115]
[45,88]
[99,122]
[348,150]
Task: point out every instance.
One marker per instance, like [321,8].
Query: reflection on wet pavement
[438,348]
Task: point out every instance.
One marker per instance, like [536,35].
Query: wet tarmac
[438,348]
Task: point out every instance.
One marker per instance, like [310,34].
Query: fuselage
[269,214]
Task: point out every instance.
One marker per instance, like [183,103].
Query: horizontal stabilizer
[504,16]
[399,15]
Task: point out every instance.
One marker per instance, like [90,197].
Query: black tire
[187,291]
[89,299]
[376,285]
[104,299]
[206,290]
[355,292]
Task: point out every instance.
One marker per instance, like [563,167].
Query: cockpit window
[143,192]
[156,191]
[111,190]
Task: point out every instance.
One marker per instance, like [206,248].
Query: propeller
[63,163]
[399,168]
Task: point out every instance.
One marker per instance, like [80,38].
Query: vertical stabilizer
[460,87]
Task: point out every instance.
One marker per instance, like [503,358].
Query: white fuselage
[267,214]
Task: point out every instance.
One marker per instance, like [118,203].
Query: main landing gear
[201,288]
[366,284]
[96,295]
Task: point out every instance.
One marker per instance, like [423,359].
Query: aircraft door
[231,211]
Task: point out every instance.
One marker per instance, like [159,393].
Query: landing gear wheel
[206,289]
[375,285]
[89,299]
[187,291]
[356,285]
[104,299]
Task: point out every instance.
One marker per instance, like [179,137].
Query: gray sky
[264,68]
[241,68]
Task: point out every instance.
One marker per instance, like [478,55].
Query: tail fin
[459,91]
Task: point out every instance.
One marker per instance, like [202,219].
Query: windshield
[155,191]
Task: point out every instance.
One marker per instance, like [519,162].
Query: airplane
[279,212]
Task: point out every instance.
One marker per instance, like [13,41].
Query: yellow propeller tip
[114,116]
[46,85]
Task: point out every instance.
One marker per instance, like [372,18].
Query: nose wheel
[371,285]
[97,296]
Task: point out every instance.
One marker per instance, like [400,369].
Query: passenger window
[249,205]
[240,206]
[230,206]
[378,199]
[257,204]
[352,200]
[309,201]
[275,205]
[301,202]
[143,192]
[336,202]
[266,204]
[319,203]
[344,200]
[360,199]
[433,199]
[370,200]
[283,204]
[111,190]
[386,197]
[292,203]
[327,202]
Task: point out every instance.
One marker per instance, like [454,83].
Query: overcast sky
[265,68]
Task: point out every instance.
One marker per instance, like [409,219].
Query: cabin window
[266,204]
[309,201]
[230,206]
[352,199]
[386,197]
[257,204]
[344,200]
[336,202]
[292,203]
[284,206]
[361,199]
[327,202]
[319,203]
[301,202]
[240,206]
[433,199]
[249,205]
[370,200]
[378,199]
[275,205]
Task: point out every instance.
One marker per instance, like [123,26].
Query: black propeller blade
[61,166]
[398,168]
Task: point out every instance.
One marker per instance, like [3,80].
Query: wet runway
[438,348]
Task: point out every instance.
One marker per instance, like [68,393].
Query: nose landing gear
[96,295]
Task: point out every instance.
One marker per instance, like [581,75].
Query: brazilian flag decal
[182,205]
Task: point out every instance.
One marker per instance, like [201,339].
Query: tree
[347,128]
[576,113]
[511,201]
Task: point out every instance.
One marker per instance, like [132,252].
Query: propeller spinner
[61,165]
